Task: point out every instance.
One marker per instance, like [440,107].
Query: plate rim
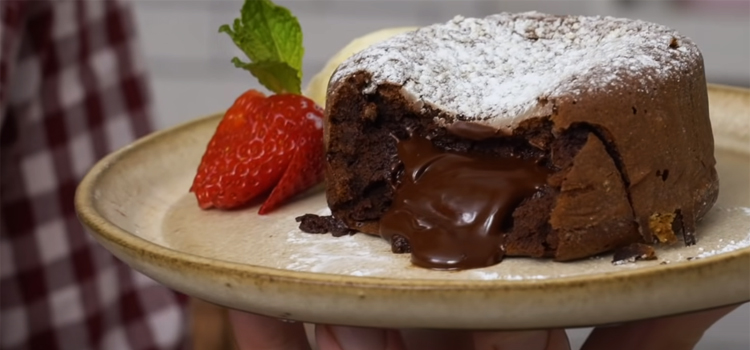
[135,246]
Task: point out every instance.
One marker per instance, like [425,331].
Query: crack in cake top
[496,70]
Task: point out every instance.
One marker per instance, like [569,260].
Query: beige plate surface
[136,204]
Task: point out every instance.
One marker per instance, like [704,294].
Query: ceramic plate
[135,202]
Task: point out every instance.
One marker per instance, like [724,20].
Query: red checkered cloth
[72,89]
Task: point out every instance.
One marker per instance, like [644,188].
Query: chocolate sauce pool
[451,207]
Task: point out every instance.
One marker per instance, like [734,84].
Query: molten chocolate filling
[452,208]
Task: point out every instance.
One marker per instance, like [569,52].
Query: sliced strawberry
[304,171]
[306,167]
[253,147]
[231,172]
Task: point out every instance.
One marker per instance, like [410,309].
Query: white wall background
[192,75]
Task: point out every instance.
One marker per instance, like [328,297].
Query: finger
[356,338]
[437,339]
[255,332]
[675,332]
[558,340]
[210,327]
[522,340]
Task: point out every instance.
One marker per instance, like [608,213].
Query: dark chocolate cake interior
[563,218]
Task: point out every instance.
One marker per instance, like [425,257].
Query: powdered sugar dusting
[318,253]
[724,230]
[486,275]
[731,245]
[496,70]
[322,253]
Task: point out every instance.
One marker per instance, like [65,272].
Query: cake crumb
[633,253]
[661,226]
[400,245]
[311,223]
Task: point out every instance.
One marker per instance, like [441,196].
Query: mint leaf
[271,37]
[275,76]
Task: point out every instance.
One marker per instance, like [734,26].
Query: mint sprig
[271,37]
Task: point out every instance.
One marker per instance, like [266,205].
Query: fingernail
[355,338]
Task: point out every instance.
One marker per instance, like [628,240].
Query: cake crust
[504,68]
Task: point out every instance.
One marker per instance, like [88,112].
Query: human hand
[254,332]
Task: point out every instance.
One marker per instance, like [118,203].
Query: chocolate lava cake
[523,134]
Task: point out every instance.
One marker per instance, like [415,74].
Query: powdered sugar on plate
[731,244]
[276,241]
[365,255]
[323,253]
[486,275]
[496,70]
